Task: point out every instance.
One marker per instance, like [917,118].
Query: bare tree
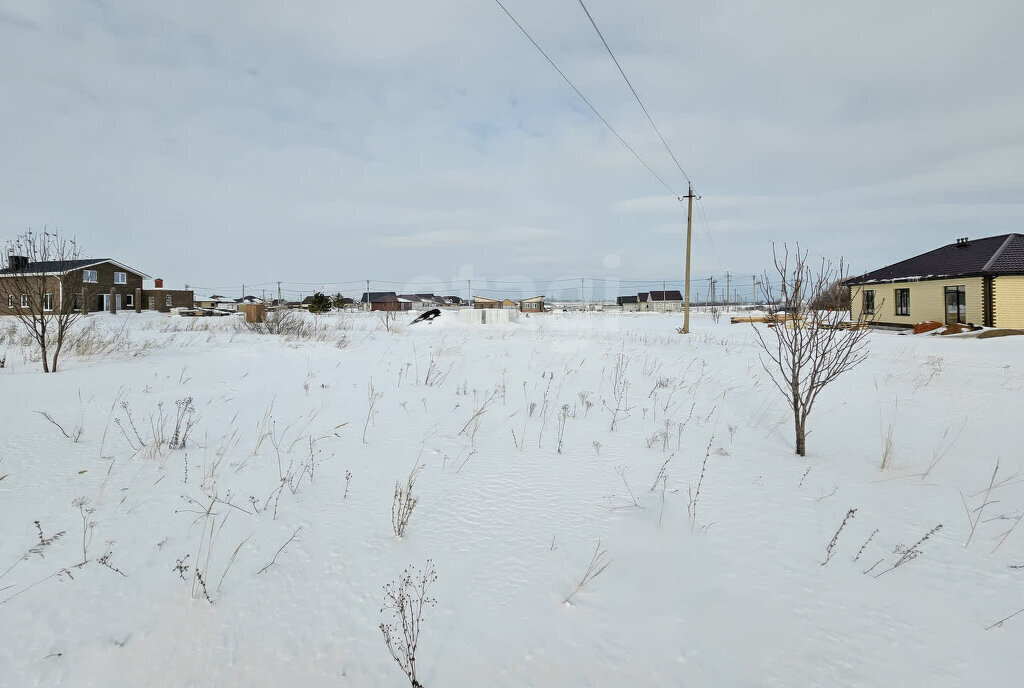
[806,349]
[388,319]
[42,290]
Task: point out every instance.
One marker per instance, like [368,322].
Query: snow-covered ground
[716,575]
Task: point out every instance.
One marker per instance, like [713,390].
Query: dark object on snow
[428,316]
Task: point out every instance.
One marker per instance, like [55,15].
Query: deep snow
[735,597]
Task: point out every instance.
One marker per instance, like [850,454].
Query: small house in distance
[978,281]
[385,301]
[480,302]
[660,301]
[534,304]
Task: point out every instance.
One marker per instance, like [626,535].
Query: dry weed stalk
[594,569]
[406,599]
[404,502]
[830,550]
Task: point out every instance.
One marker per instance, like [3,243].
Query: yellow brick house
[978,281]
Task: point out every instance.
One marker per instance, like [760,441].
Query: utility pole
[279,294]
[689,237]
[367,294]
[712,288]
[469,292]
[727,279]
[583,300]
[243,292]
[753,289]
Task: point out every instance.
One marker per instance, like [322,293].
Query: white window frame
[24,300]
[87,274]
[120,278]
[10,300]
[129,300]
[48,302]
[168,300]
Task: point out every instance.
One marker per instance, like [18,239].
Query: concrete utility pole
[753,289]
[243,292]
[367,294]
[278,293]
[469,292]
[583,300]
[689,237]
[727,279]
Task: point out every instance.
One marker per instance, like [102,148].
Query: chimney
[17,262]
[158,283]
[962,242]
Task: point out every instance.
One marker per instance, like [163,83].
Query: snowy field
[715,531]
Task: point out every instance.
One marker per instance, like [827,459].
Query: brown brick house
[87,285]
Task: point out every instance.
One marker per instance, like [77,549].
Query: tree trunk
[801,437]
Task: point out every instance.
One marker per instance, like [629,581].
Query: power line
[635,94]
[584,98]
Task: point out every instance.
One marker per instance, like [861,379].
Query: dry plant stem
[50,418]
[232,561]
[802,359]
[945,445]
[866,542]
[978,511]
[276,554]
[594,569]
[830,550]
[372,397]
[406,600]
[912,552]
[403,503]
[695,495]
[1004,619]
[1007,534]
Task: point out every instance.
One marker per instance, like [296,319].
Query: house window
[152,303]
[90,276]
[10,300]
[24,300]
[120,278]
[47,302]
[129,300]
[168,300]
[902,302]
[76,303]
[868,302]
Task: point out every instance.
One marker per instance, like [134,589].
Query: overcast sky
[216,143]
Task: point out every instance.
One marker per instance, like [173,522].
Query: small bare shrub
[404,502]
[405,599]
[907,554]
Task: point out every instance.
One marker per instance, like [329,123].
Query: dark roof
[415,298]
[625,299]
[67,266]
[1003,254]
[427,297]
[670,295]
[642,296]
[377,296]
[454,299]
